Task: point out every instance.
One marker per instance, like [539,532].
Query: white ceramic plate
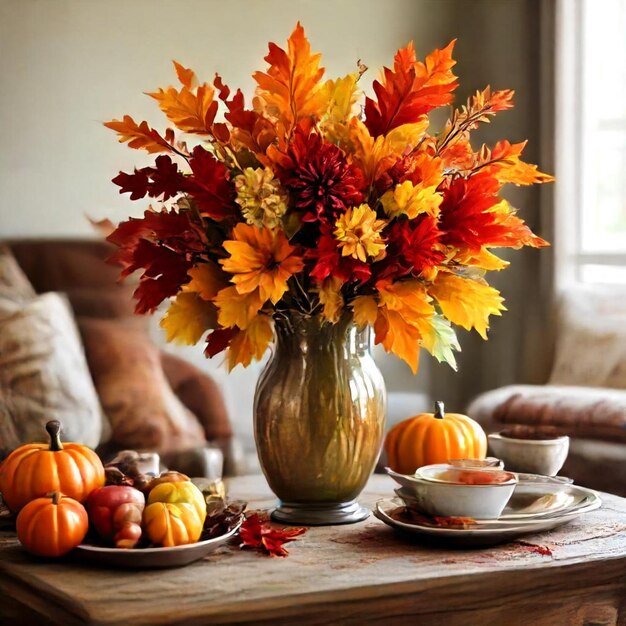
[481,533]
[152,557]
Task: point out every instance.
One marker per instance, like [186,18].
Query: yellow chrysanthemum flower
[262,200]
[358,233]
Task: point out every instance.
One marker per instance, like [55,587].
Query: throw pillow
[14,286]
[143,411]
[44,374]
[591,342]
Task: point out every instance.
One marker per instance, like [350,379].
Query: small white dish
[535,456]
[452,499]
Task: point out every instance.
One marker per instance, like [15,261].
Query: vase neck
[304,334]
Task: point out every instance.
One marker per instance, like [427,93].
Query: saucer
[479,533]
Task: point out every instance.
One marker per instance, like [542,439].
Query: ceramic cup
[535,456]
[435,496]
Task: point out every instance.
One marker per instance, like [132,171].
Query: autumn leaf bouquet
[307,203]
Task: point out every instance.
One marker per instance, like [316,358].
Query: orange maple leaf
[250,343]
[411,89]
[291,87]
[505,164]
[404,309]
[141,136]
[190,112]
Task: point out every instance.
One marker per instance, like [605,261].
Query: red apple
[115,512]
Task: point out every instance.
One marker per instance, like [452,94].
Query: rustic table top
[358,574]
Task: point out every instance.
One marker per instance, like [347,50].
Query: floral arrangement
[307,203]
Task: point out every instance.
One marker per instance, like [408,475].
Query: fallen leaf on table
[258,533]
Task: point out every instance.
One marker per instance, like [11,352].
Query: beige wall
[68,65]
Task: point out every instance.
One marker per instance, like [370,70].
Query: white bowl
[535,456]
[448,499]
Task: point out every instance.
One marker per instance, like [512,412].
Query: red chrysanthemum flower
[319,178]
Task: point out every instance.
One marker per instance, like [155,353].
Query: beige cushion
[591,341]
[143,411]
[44,374]
[14,286]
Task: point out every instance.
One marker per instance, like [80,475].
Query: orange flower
[261,258]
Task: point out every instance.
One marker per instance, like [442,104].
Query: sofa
[197,434]
[585,396]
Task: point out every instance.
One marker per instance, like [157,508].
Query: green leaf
[442,341]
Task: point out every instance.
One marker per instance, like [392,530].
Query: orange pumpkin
[52,526]
[434,438]
[36,469]
[174,514]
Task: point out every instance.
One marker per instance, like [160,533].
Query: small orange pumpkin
[434,438]
[36,469]
[52,526]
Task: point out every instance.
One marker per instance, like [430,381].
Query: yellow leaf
[206,280]
[331,298]
[340,96]
[237,309]
[188,318]
[250,343]
[483,259]
[411,200]
[408,297]
[374,156]
[466,302]
[365,311]
[406,136]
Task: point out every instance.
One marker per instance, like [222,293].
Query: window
[591,140]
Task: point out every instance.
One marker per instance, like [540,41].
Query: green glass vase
[319,415]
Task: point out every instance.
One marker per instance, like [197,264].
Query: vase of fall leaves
[306,223]
[319,414]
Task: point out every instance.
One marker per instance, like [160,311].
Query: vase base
[319,514]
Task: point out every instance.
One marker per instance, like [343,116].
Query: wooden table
[359,574]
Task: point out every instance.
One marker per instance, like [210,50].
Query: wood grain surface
[358,574]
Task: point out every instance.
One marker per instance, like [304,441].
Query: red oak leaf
[261,535]
[164,273]
[209,185]
[251,129]
[160,243]
[219,340]
[136,184]
[162,180]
